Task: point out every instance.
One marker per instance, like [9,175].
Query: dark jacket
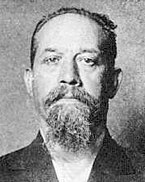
[33,163]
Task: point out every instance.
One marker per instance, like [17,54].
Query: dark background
[126,121]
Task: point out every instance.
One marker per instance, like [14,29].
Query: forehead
[69,32]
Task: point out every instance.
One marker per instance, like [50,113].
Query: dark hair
[108,43]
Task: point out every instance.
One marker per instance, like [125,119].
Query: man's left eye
[89,61]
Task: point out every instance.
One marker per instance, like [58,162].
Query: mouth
[68,100]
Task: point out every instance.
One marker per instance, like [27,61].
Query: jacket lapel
[110,162]
[42,168]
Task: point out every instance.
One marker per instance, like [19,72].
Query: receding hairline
[107,28]
[70,15]
[64,18]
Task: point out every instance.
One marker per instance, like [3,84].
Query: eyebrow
[81,51]
[90,51]
[48,49]
[51,50]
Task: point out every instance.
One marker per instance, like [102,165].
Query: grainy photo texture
[70,80]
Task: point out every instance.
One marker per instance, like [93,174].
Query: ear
[28,78]
[114,82]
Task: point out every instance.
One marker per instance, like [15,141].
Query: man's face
[68,79]
[68,52]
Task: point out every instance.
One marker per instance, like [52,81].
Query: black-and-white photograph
[72,91]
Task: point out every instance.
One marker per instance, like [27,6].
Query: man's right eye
[51,60]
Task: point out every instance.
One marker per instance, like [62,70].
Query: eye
[88,61]
[52,60]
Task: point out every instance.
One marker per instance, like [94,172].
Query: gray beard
[76,126]
[70,127]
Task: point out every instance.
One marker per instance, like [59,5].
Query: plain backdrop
[18,122]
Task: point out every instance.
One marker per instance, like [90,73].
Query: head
[72,76]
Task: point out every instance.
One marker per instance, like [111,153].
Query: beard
[74,126]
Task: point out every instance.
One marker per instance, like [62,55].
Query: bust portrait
[71,79]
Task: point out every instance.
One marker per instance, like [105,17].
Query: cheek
[92,82]
[44,83]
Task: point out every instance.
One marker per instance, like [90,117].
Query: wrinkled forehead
[69,31]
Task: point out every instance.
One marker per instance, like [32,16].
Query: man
[71,79]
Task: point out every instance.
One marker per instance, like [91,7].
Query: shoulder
[12,165]
[17,159]
[24,157]
[30,163]
[22,163]
[113,158]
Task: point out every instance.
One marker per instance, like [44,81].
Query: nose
[69,74]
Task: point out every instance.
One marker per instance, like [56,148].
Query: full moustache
[77,93]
